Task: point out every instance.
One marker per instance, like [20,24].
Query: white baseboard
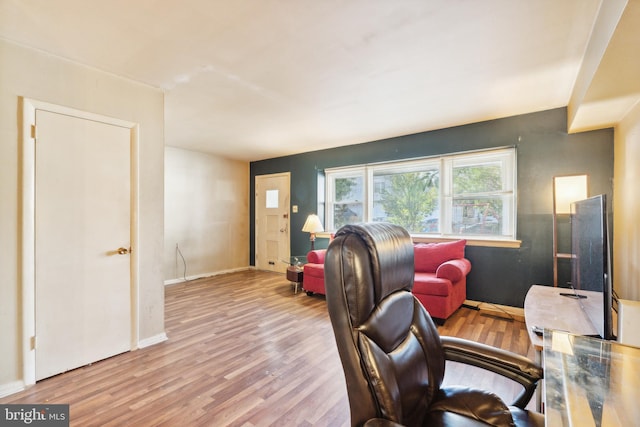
[203,275]
[10,388]
[156,339]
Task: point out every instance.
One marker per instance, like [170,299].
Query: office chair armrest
[508,364]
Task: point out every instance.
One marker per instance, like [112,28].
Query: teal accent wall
[544,150]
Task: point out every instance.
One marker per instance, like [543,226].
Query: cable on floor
[184,262]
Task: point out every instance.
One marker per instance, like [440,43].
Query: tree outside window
[408,199]
[347,208]
[478,206]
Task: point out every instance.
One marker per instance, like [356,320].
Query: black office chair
[391,352]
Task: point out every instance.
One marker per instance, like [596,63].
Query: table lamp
[312,225]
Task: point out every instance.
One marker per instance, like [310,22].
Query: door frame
[27,240]
[255,219]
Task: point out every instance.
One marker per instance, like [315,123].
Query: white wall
[32,74]
[626,207]
[206,214]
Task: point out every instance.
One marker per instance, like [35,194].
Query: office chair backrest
[389,346]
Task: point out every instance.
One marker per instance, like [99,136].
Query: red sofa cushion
[429,284]
[429,256]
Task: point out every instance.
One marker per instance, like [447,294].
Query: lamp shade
[313,224]
[568,189]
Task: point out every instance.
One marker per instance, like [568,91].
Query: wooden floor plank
[243,350]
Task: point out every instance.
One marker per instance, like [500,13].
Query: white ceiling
[255,79]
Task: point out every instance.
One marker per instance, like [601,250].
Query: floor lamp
[312,225]
[566,190]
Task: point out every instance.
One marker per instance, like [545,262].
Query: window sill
[325,235]
[493,243]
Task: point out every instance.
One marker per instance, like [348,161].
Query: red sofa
[440,281]
[313,272]
[440,278]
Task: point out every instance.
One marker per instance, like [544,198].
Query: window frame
[342,173]
[506,157]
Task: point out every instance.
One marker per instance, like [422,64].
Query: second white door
[272,222]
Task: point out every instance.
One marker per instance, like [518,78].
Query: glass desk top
[590,382]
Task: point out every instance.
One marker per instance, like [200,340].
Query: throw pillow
[428,256]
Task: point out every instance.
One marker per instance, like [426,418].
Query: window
[466,195]
[407,194]
[272,199]
[346,192]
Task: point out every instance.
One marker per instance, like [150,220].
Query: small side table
[294,270]
[294,274]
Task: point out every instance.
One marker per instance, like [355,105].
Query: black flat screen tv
[591,262]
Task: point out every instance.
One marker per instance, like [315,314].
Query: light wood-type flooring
[243,350]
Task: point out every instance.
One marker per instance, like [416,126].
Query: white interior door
[272,222]
[82,217]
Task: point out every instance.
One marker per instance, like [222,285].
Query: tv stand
[546,307]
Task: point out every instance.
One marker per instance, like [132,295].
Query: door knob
[124,251]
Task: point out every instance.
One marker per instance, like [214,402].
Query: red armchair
[313,272]
[440,281]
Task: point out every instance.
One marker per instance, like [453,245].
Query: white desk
[546,308]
